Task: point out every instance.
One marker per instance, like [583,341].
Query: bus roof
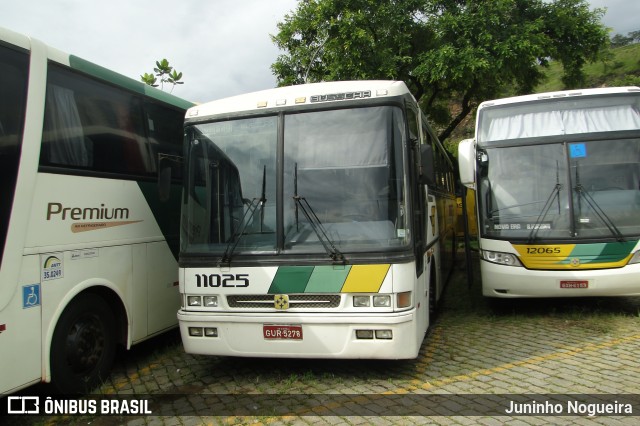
[303,94]
[559,94]
[92,69]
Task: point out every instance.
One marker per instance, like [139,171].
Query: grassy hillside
[622,68]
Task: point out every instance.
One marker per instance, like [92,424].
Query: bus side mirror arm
[166,165]
[428,172]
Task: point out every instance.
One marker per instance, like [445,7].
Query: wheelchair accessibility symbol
[30,296]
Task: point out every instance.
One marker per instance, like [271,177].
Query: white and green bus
[88,247]
[557,178]
[317,222]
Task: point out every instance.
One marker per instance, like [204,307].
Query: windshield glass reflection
[561,191]
[348,167]
[230,190]
[343,184]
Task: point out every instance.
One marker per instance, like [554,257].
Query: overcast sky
[222,46]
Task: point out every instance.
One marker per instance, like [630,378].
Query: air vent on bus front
[296,301]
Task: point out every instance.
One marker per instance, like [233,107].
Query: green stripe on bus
[327,279]
[601,252]
[126,82]
[291,279]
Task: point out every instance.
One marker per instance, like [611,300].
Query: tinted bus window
[93,126]
[13,94]
[165,132]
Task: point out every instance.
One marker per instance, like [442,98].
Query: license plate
[282,332]
[574,284]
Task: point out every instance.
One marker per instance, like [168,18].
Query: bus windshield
[561,168]
[343,185]
[561,191]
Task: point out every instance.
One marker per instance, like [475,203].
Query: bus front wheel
[83,345]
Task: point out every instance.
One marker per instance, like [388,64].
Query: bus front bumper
[392,336]
[512,282]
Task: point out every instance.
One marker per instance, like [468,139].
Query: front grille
[296,301]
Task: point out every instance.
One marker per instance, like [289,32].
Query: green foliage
[165,72]
[453,54]
[618,67]
[149,79]
[619,40]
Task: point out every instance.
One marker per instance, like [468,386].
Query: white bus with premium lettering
[88,246]
[317,221]
[557,179]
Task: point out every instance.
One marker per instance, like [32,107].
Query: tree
[165,72]
[453,54]
[619,40]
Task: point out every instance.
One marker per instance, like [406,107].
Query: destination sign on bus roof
[361,94]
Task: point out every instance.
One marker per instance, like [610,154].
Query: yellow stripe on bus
[543,256]
[365,278]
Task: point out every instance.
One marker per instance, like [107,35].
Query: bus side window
[62,124]
[92,126]
[13,99]
[165,133]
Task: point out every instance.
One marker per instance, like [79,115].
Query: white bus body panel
[521,282]
[21,348]
[128,255]
[325,334]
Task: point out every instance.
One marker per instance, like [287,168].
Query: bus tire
[83,345]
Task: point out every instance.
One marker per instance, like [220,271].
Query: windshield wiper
[319,229]
[547,206]
[543,213]
[235,238]
[597,209]
[315,222]
[253,205]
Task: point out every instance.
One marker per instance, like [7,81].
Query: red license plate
[282,332]
[574,284]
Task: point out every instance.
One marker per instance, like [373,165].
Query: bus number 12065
[543,250]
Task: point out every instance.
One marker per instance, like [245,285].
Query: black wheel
[83,345]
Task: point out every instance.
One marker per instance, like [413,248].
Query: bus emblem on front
[281,302]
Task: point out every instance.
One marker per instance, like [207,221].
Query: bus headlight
[635,258]
[383,301]
[210,301]
[506,259]
[194,301]
[361,301]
